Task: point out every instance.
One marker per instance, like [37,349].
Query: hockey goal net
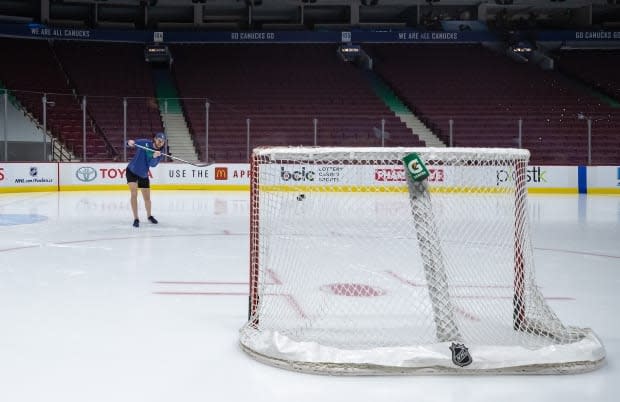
[357,266]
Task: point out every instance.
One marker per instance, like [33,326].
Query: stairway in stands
[180,142]
[405,115]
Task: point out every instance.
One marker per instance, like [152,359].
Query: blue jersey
[143,160]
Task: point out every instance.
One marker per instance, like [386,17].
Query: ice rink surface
[93,309]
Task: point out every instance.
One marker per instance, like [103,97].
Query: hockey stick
[174,157]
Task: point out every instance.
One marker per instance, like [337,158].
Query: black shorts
[143,182]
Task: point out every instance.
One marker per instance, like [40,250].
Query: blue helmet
[161,136]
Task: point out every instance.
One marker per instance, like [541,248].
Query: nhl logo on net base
[460,355]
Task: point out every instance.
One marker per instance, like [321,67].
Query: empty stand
[107,73]
[281,89]
[596,67]
[485,94]
[29,69]
[298,94]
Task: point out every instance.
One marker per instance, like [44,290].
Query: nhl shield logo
[460,355]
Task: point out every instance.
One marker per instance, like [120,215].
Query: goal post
[358,265]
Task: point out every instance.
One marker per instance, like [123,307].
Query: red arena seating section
[30,68]
[279,94]
[106,73]
[595,67]
[281,89]
[485,94]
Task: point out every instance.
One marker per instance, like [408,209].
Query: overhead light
[350,52]
[350,49]
[520,49]
[522,46]
[157,53]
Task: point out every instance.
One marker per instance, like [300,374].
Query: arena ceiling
[309,14]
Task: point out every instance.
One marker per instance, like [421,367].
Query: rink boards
[37,176]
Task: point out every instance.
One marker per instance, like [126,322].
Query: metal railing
[215,127]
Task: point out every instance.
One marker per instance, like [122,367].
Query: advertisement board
[92,176]
[603,180]
[550,179]
[35,176]
[179,176]
[538,178]
[28,176]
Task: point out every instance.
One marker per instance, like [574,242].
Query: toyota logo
[86,173]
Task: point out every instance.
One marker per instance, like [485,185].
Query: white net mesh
[356,268]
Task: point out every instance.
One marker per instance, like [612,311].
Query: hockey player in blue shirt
[137,172]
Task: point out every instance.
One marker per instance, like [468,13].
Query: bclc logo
[221,173]
[297,175]
[86,173]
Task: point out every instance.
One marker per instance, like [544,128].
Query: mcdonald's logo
[221,173]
